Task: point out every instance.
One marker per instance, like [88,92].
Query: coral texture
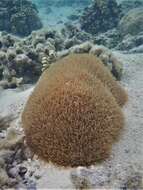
[101,16]
[132,22]
[71,122]
[93,66]
[19,17]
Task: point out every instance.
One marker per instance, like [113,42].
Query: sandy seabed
[126,162]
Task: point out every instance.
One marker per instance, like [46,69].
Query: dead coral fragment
[68,122]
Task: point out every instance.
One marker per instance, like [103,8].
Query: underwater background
[34,35]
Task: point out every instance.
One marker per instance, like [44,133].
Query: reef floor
[125,167]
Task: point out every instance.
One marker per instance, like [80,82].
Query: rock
[13,172]
[132,22]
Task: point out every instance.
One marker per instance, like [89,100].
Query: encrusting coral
[71,122]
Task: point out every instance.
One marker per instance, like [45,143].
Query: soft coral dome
[70,122]
[76,64]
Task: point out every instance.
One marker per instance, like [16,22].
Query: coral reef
[18,172]
[110,39]
[129,42]
[69,122]
[19,17]
[101,16]
[132,22]
[22,60]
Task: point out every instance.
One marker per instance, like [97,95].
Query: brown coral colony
[73,116]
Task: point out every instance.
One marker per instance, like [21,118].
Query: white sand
[127,155]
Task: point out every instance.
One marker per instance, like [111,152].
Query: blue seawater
[54,13]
